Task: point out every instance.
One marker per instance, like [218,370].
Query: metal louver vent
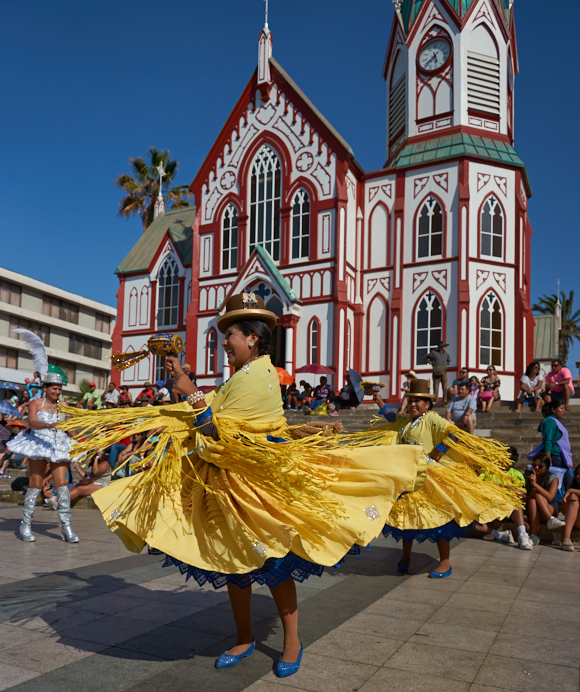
[397,103]
[483,83]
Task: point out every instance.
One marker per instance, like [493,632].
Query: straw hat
[420,389]
[245,306]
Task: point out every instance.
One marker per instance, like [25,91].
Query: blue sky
[87,85]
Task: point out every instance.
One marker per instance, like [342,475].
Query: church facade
[368,270]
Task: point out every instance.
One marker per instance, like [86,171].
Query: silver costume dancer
[43,443]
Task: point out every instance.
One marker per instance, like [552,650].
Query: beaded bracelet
[194,398]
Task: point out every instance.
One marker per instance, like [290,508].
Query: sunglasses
[492,370]
[536,465]
[555,365]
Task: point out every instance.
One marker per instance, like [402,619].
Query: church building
[365,269]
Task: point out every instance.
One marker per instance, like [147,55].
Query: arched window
[301,225]
[492,224]
[490,331]
[430,229]
[230,238]
[314,342]
[377,335]
[265,202]
[348,345]
[211,351]
[168,296]
[133,307]
[428,326]
[379,232]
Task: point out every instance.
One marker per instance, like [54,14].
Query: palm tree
[570,330]
[143,187]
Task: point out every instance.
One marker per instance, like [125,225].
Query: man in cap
[92,399]
[440,360]
[111,394]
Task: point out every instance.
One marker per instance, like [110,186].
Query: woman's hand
[173,366]
[378,399]
[532,478]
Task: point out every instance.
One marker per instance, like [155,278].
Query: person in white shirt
[530,387]
[111,394]
[161,392]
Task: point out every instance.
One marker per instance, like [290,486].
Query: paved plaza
[93,617]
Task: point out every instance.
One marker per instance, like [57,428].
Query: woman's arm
[33,421]
[181,381]
[79,470]
[538,386]
[549,494]
[569,493]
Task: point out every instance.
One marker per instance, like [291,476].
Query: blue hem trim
[447,532]
[274,571]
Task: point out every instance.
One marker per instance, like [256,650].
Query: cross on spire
[159,202]
[266,23]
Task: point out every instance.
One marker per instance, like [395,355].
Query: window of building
[60,309]
[211,351]
[492,224]
[430,229]
[10,293]
[301,225]
[313,342]
[168,301]
[42,330]
[160,372]
[102,323]
[8,358]
[68,368]
[230,238]
[428,326]
[490,331]
[483,73]
[265,202]
[101,378]
[83,346]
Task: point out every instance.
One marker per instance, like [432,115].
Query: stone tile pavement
[94,616]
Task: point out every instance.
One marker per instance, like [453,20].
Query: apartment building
[76,331]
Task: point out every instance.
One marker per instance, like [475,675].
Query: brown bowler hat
[420,389]
[245,306]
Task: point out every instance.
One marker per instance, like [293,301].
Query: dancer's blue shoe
[402,568]
[440,575]
[227,660]
[283,669]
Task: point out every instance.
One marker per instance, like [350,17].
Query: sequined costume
[49,443]
[448,495]
[234,496]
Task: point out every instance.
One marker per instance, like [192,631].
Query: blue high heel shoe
[228,661]
[440,575]
[402,568]
[283,669]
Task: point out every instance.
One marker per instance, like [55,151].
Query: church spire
[264,54]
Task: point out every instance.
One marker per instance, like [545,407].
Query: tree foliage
[570,331]
[142,187]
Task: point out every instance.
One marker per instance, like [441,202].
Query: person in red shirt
[148,391]
[559,383]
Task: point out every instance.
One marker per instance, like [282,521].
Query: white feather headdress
[37,350]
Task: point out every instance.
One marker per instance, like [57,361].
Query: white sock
[495,533]
[521,530]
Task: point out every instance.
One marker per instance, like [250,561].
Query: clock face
[434,54]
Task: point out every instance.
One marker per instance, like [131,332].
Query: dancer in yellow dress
[448,494]
[233,496]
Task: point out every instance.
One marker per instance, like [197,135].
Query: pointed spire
[159,202]
[264,54]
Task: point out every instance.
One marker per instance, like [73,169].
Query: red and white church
[367,270]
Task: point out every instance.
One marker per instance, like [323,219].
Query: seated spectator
[125,398]
[111,394]
[530,388]
[322,394]
[474,385]
[34,394]
[191,375]
[24,402]
[489,389]
[109,403]
[161,392]
[292,398]
[131,454]
[97,475]
[453,391]
[306,394]
[461,410]
[8,431]
[346,397]
[559,384]
[570,508]
[144,401]
[517,516]
[411,375]
[147,391]
[541,489]
[92,399]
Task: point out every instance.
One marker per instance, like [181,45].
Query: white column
[289,349]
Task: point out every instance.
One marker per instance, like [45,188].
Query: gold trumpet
[158,345]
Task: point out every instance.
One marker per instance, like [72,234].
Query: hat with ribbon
[245,306]
[420,389]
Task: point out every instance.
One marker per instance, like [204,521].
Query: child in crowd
[475,390]
[571,507]
[517,516]
[292,398]
[541,489]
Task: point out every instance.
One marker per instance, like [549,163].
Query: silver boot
[29,504]
[63,497]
